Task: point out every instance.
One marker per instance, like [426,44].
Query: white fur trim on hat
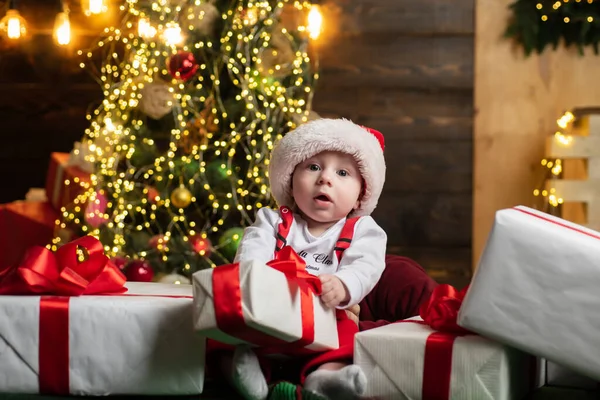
[328,135]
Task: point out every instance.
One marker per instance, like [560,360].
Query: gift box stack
[32,222]
[74,326]
[529,318]
[68,176]
[432,358]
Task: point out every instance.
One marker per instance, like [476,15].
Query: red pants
[306,360]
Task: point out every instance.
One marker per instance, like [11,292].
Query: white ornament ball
[202,17]
[279,54]
[157,99]
[175,279]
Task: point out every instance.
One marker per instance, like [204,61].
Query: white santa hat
[364,144]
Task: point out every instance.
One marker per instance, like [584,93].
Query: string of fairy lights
[555,7]
[541,24]
[13,26]
[155,62]
[553,166]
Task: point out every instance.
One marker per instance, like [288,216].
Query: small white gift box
[271,307]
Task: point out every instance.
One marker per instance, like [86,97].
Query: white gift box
[270,303]
[393,358]
[537,288]
[140,342]
[78,156]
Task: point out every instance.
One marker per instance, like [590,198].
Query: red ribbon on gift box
[60,274]
[440,313]
[227,294]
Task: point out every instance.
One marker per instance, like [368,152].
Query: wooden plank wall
[44,97]
[517,102]
[406,68]
[403,67]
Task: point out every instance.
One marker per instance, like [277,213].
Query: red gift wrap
[24,224]
[64,182]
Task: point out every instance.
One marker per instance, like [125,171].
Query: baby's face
[327,187]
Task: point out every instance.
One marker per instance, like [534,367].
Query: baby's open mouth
[322,197]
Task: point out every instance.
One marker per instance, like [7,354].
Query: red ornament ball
[201,245]
[139,271]
[120,262]
[153,194]
[157,242]
[183,65]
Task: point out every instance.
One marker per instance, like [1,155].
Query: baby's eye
[313,167]
[342,172]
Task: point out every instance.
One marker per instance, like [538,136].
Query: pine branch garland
[536,25]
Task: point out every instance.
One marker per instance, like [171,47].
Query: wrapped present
[36,194]
[80,157]
[64,181]
[412,360]
[24,224]
[274,305]
[68,327]
[536,288]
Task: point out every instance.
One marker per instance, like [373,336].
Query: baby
[326,176]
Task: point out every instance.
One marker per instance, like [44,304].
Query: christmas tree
[195,95]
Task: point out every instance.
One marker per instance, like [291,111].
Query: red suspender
[287,218]
[345,238]
[284,228]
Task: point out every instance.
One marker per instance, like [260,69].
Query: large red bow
[294,268]
[61,273]
[441,310]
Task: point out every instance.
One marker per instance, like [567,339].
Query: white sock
[347,383]
[247,377]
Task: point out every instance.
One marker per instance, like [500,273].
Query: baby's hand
[334,292]
[353,313]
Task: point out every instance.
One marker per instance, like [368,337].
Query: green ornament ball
[229,242]
[216,174]
[188,168]
[144,155]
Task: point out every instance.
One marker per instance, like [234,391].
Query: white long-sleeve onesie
[362,263]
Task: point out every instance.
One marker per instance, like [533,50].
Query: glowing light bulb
[172,34]
[565,120]
[62,29]
[13,25]
[146,30]
[251,17]
[315,22]
[93,7]
[563,139]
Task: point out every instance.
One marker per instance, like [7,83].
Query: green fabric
[287,391]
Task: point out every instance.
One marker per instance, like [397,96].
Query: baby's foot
[247,376]
[347,383]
